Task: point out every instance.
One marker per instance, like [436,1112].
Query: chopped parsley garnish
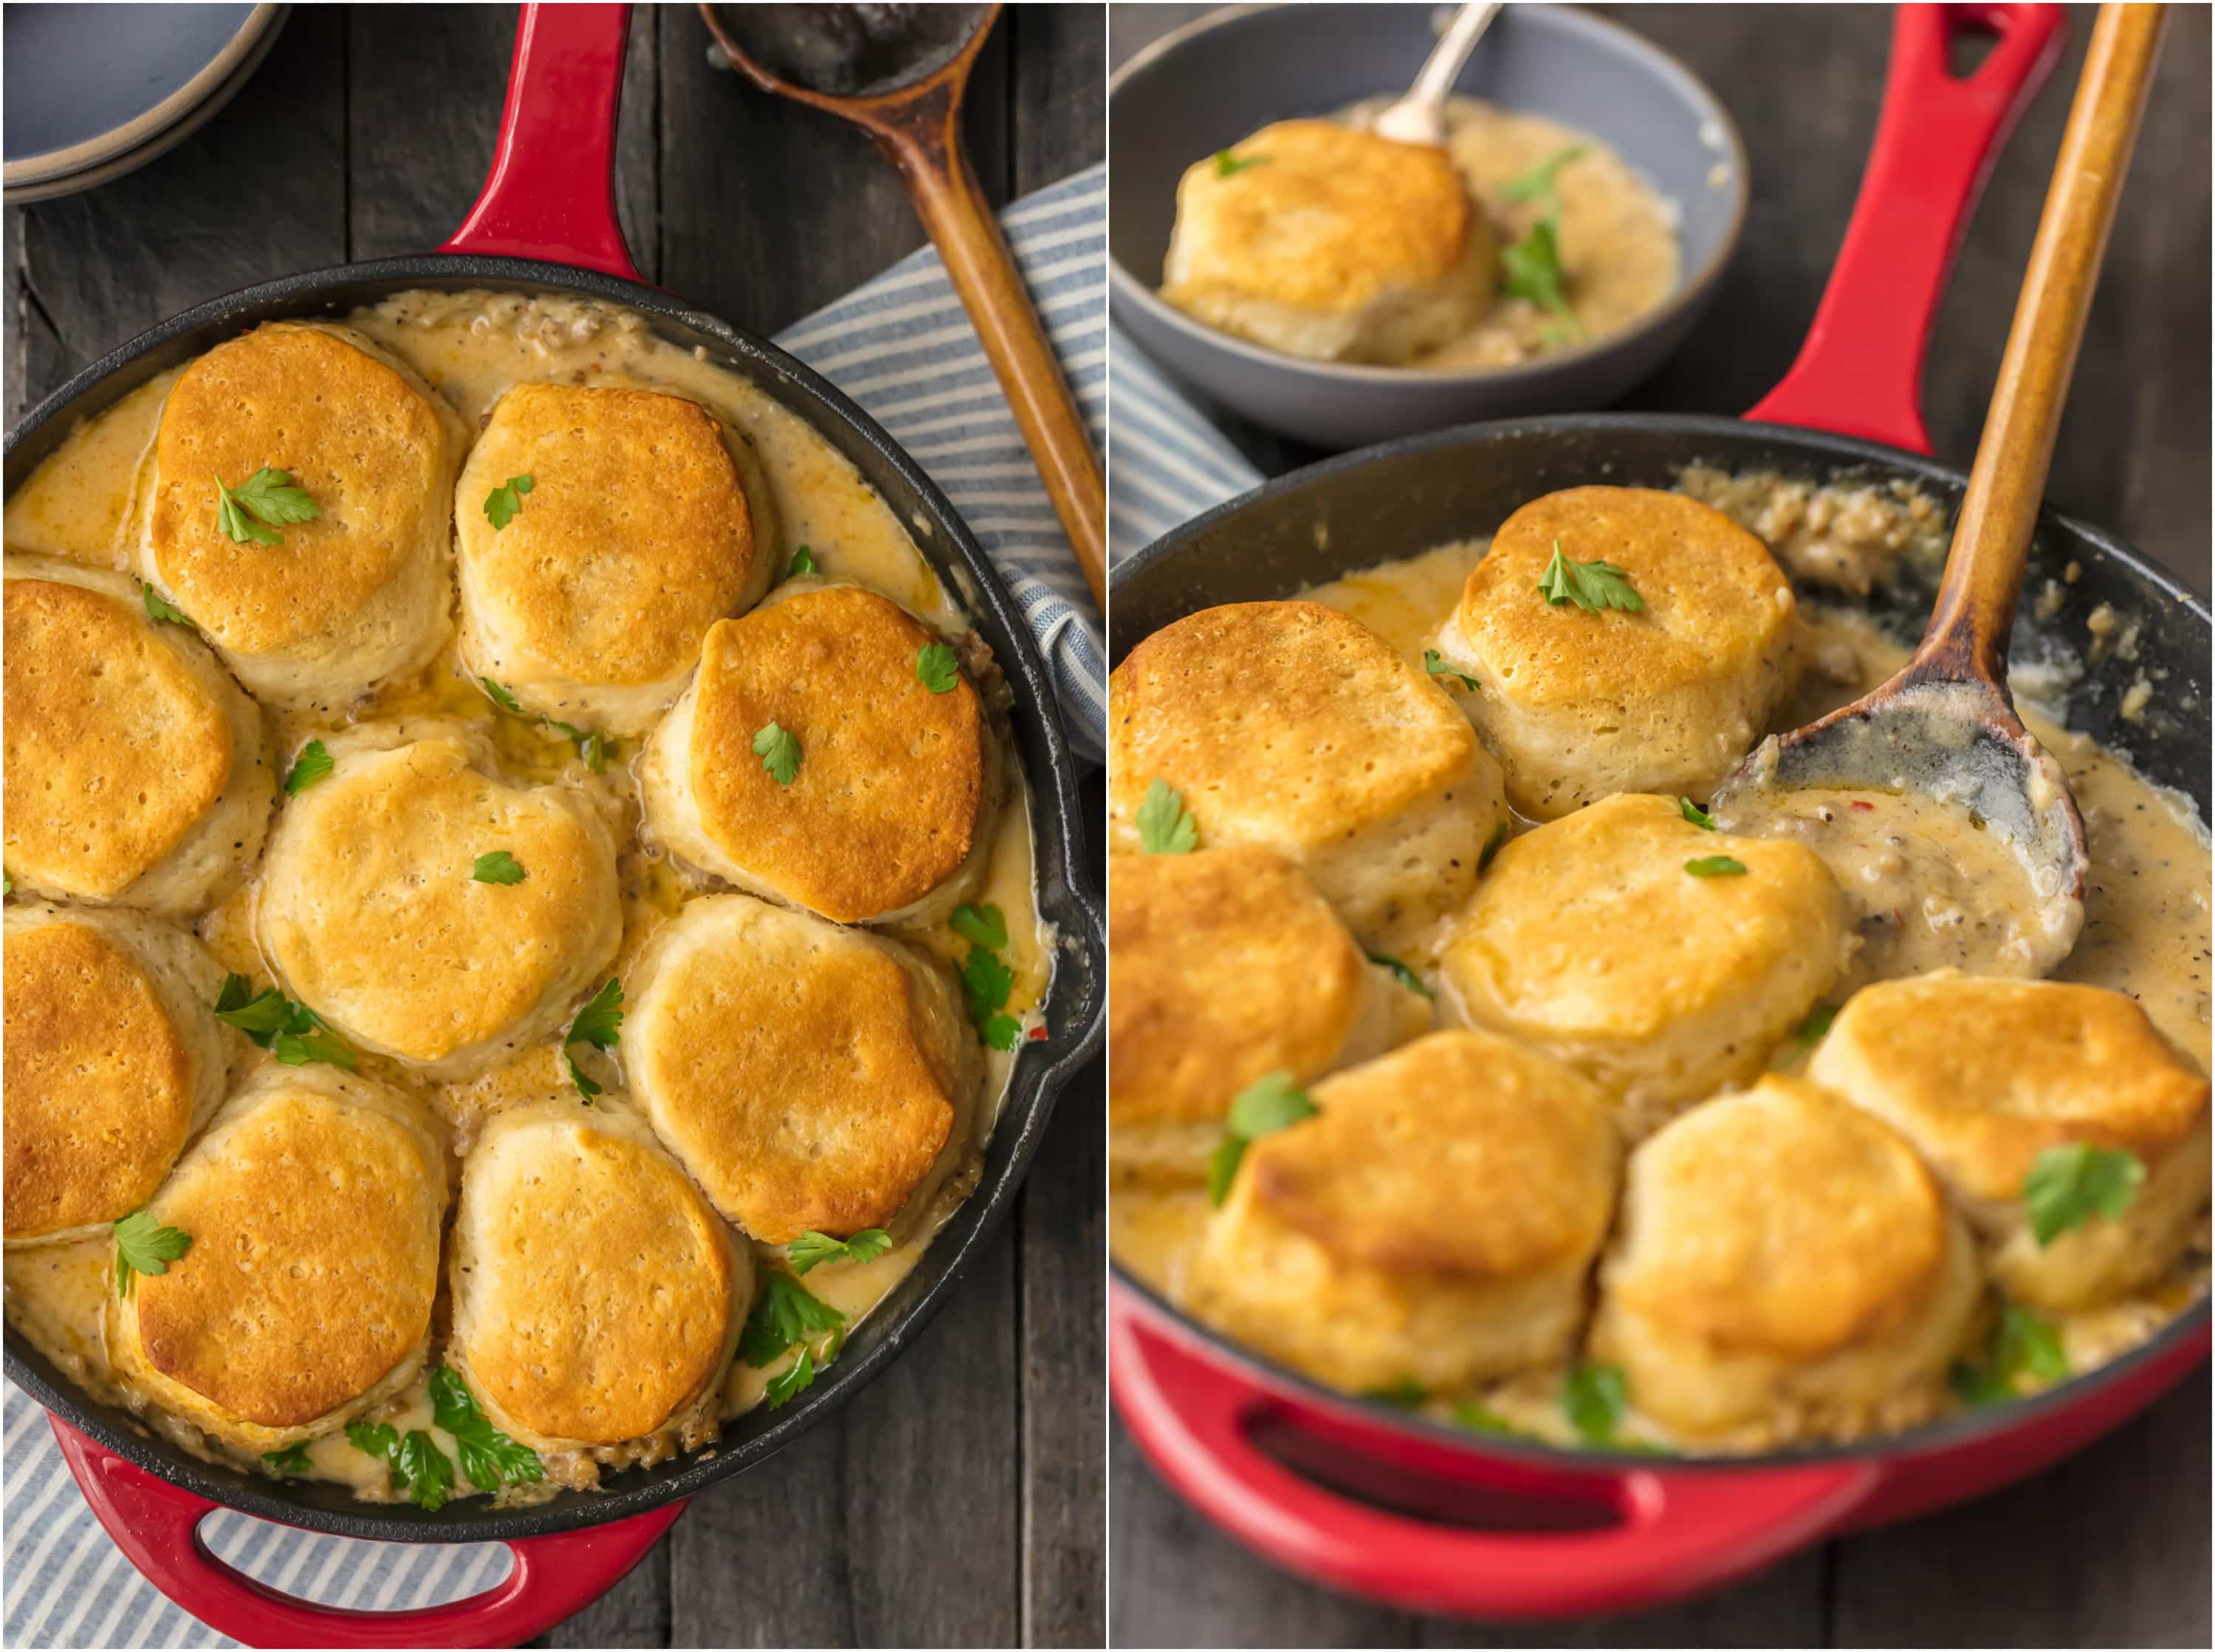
[314,763]
[1699,817]
[1402,974]
[592,746]
[812,1249]
[986,983]
[1266,1105]
[1165,825]
[291,1032]
[787,1315]
[488,1457]
[505,700]
[1594,1396]
[504,501]
[417,1465]
[1716,866]
[142,1245]
[985,924]
[803,561]
[293,1459]
[1529,185]
[497,867]
[1435,663]
[1406,1394]
[1226,163]
[157,609]
[936,669]
[1531,268]
[599,1023]
[779,752]
[795,1379]
[2068,1186]
[2023,1345]
[1471,1415]
[1590,585]
[1817,1024]
[1493,844]
[264,502]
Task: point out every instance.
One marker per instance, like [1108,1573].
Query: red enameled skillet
[546,223]
[1429,1518]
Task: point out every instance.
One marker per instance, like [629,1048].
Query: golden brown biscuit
[1332,243]
[372,914]
[1668,699]
[314,1203]
[597,1298]
[637,536]
[353,597]
[807,1076]
[1986,1075]
[1431,1223]
[1224,965]
[1590,938]
[114,1058]
[134,767]
[1291,726]
[889,813]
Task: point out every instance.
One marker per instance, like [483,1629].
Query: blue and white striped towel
[903,348]
[1166,463]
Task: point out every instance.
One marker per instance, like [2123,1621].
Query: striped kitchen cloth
[903,348]
[1166,463]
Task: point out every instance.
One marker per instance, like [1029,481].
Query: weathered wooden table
[2110,1548]
[957,1501]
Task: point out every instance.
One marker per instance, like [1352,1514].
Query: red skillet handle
[158,1525]
[1860,372]
[551,191]
[1678,1532]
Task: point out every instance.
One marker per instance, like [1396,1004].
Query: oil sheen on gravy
[2145,933]
[470,348]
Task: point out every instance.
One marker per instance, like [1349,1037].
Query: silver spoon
[1420,117]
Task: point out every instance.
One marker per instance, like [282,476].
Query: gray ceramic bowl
[1209,84]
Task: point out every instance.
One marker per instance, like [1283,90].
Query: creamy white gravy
[2146,921]
[469,347]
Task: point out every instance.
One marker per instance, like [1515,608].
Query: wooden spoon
[899,72]
[1945,724]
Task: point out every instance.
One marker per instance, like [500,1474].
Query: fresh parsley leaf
[497,867]
[795,1379]
[1435,663]
[786,1314]
[1531,268]
[293,1459]
[2023,1345]
[159,610]
[592,746]
[811,1248]
[1407,1394]
[426,1472]
[936,669]
[1471,1415]
[7,885]
[232,518]
[1402,973]
[1539,181]
[1699,817]
[1226,163]
[1590,585]
[985,924]
[1594,1396]
[2068,1185]
[1817,1024]
[1716,866]
[779,752]
[1222,1168]
[599,1024]
[1493,844]
[504,501]
[1000,1031]
[501,698]
[803,561]
[985,982]
[259,1015]
[298,1048]
[264,502]
[1165,825]
[1268,1105]
[488,1457]
[378,1439]
[142,1245]
[314,763]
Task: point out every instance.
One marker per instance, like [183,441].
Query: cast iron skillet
[1431,1518]
[548,199]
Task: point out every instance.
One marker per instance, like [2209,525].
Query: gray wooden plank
[1059,105]
[35,362]
[636,1612]
[1782,1607]
[761,1560]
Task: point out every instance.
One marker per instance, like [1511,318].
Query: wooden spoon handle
[1975,610]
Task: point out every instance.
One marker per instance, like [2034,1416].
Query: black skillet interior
[1403,497]
[1075,1001]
